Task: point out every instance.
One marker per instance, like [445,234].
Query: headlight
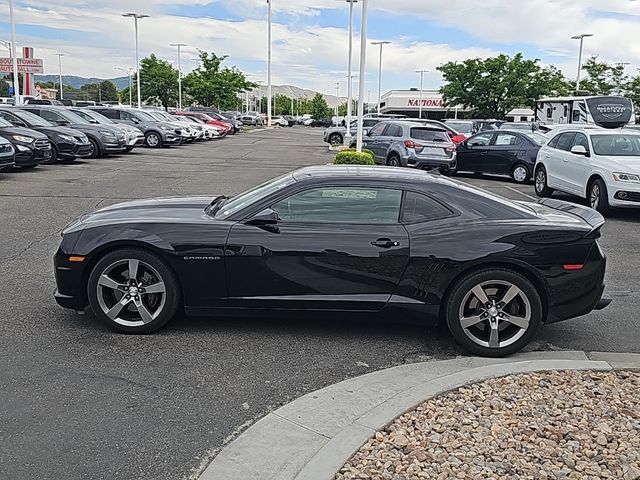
[626,177]
[23,139]
[107,133]
[68,138]
[83,138]
[22,148]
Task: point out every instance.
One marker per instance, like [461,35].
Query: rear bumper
[417,161]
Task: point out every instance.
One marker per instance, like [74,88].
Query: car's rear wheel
[520,174]
[133,291]
[541,187]
[393,160]
[335,139]
[598,196]
[153,140]
[493,312]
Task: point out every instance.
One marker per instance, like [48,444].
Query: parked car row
[33,134]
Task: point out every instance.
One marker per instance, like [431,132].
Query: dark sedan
[32,148]
[502,152]
[367,239]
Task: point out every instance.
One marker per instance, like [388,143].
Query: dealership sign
[426,102]
[25,65]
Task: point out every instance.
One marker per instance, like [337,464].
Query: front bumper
[74,150]
[70,291]
[171,138]
[624,194]
[7,162]
[111,145]
[27,156]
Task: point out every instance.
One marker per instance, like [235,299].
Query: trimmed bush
[351,157]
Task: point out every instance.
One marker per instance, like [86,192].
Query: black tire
[394,160]
[598,196]
[95,153]
[54,155]
[109,297]
[540,183]
[520,174]
[496,281]
[153,140]
[335,139]
[28,167]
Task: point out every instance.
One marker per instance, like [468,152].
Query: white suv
[594,163]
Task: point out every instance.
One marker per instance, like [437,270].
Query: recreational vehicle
[605,111]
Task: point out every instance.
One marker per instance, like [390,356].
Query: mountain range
[123,82]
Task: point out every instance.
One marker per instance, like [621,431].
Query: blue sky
[310,36]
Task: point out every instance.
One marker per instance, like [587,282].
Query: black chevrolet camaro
[405,243]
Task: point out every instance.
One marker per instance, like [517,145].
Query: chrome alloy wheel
[594,196]
[495,314]
[541,180]
[520,174]
[153,140]
[131,292]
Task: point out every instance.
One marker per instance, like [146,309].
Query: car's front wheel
[335,139]
[133,291]
[520,174]
[153,140]
[541,187]
[598,196]
[493,312]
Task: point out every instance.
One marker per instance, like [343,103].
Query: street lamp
[347,137]
[179,45]
[16,85]
[421,72]
[128,71]
[269,93]
[580,37]
[136,17]
[380,72]
[337,97]
[363,65]
[60,55]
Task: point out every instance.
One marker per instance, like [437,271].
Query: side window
[576,116]
[369,123]
[393,131]
[127,116]
[581,139]
[481,140]
[553,143]
[420,208]
[377,130]
[50,116]
[503,139]
[549,112]
[354,205]
[565,141]
[112,114]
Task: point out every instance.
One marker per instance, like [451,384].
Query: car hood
[155,210]
[27,132]
[92,128]
[57,131]
[622,164]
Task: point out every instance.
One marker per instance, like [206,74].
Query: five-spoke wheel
[133,291]
[493,312]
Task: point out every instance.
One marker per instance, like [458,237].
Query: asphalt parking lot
[79,402]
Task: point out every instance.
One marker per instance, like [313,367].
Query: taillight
[451,148]
[576,266]
[416,146]
[458,139]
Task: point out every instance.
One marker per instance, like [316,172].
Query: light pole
[60,55]
[421,72]
[380,71]
[580,37]
[363,66]
[347,137]
[337,97]
[269,65]
[128,71]
[136,17]
[16,85]
[179,46]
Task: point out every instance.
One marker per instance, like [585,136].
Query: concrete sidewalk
[313,436]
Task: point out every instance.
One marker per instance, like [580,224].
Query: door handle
[385,243]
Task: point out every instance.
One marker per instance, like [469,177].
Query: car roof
[345,172]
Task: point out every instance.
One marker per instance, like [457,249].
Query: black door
[332,248]
[472,153]
[502,154]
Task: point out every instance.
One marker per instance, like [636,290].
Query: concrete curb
[313,436]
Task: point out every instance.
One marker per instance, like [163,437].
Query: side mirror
[579,150]
[265,217]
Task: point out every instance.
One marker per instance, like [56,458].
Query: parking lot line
[531,197]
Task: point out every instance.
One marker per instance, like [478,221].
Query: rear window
[429,135]
[420,208]
[537,138]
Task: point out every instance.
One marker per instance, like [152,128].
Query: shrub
[351,157]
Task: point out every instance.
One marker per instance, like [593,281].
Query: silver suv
[411,144]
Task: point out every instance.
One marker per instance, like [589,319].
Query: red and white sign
[426,102]
[25,65]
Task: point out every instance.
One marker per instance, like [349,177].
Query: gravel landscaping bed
[540,426]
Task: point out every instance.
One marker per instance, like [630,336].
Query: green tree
[603,78]
[100,92]
[213,85]
[158,80]
[494,86]
[318,107]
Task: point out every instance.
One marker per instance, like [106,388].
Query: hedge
[351,157]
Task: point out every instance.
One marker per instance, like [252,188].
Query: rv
[605,111]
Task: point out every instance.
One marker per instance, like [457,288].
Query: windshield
[4,123]
[95,115]
[72,117]
[143,116]
[618,145]
[31,118]
[537,138]
[156,116]
[85,116]
[462,127]
[238,202]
